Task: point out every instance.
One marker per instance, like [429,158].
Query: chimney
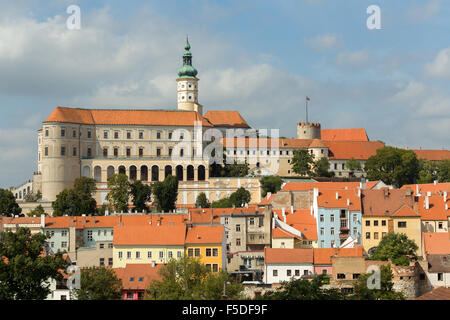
[312,212]
[283,213]
[337,195]
[435,182]
[153,264]
[292,209]
[427,202]
[106,212]
[348,201]
[446,206]
[445,196]
[359,193]
[417,189]
[42,220]
[429,193]
[189,215]
[284,218]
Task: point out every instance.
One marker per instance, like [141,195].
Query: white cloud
[419,13]
[354,59]
[324,42]
[440,66]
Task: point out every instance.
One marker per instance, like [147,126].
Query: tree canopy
[397,248]
[188,279]
[141,194]
[385,292]
[393,166]
[8,204]
[166,193]
[38,211]
[238,198]
[202,201]
[302,162]
[270,184]
[444,170]
[353,165]
[322,168]
[77,200]
[24,270]
[118,194]
[99,283]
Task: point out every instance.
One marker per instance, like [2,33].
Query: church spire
[187,70]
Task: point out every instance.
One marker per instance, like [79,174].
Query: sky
[261,58]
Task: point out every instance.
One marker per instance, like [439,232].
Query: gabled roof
[323,255]
[149,235]
[440,293]
[384,202]
[344,134]
[436,242]
[436,210]
[138,276]
[302,220]
[204,234]
[424,188]
[316,143]
[231,119]
[279,233]
[276,255]
[433,155]
[126,117]
[327,199]
[405,211]
[359,150]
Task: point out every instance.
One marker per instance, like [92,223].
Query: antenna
[307,99]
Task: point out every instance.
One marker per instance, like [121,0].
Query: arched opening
[155,173]
[133,173]
[167,171]
[122,170]
[190,172]
[87,171]
[179,172]
[98,173]
[201,173]
[109,172]
[144,173]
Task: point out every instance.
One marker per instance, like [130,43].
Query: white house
[282,264]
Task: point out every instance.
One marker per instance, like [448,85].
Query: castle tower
[187,84]
[308,130]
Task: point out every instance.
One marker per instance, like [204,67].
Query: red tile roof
[316,143]
[142,274]
[302,186]
[302,220]
[384,202]
[21,220]
[359,150]
[126,117]
[279,233]
[440,293]
[344,134]
[323,255]
[436,242]
[436,209]
[405,211]
[275,255]
[149,235]
[226,119]
[434,155]
[429,187]
[204,235]
[327,199]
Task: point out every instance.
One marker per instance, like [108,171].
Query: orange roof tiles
[302,186]
[126,117]
[21,220]
[359,150]
[327,199]
[344,134]
[436,242]
[279,233]
[436,209]
[138,276]
[226,119]
[323,255]
[384,202]
[204,234]
[267,199]
[405,211]
[277,255]
[316,143]
[433,155]
[440,293]
[149,235]
[428,187]
[302,220]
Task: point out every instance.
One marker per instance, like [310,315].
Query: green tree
[353,165]
[202,201]
[38,211]
[444,170]
[166,193]
[31,197]
[428,171]
[240,197]
[141,194]
[8,204]
[393,166]
[118,194]
[99,283]
[77,200]
[397,248]
[302,161]
[270,184]
[222,203]
[303,289]
[236,169]
[385,292]
[322,168]
[24,271]
[188,279]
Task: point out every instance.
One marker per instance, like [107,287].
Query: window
[190,252]
[170,135]
[288,273]
[128,134]
[440,276]
[275,273]
[116,134]
[208,252]
[131,279]
[89,134]
[297,273]
[169,254]
[105,134]
[215,267]
[52,244]
[383,234]
[355,230]
[375,235]
[332,231]
[120,254]
[367,235]
[141,134]
[321,231]
[341,276]
[105,152]
[129,255]
[158,135]
[102,245]
[74,152]
[170,152]
[64,244]
[226,220]
[215,252]
[332,218]
[332,243]
[130,295]
[63,132]
[46,151]
[161,254]
[252,221]
[321,218]
[102,262]
[402,224]
[324,271]
[110,245]
[179,254]
[89,152]
[74,134]
[128,152]
[89,235]
[141,152]
[197,252]
[64,233]
[63,151]
[322,243]
[355,217]
[422,276]
[208,266]
[110,262]
[238,228]
[367,223]
[375,223]
[440,225]
[99,233]
[116,152]
[149,254]
[138,254]
[383,222]
[305,272]
[158,152]
[46,132]
[238,241]
[355,275]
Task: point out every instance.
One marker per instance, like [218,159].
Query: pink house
[322,257]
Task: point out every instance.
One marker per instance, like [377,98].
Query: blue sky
[258,57]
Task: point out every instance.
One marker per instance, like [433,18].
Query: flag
[307,99]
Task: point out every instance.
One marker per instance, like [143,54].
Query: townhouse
[287,264]
[136,279]
[434,211]
[435,270]
[323,257]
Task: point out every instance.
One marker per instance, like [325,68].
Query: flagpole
[306,109]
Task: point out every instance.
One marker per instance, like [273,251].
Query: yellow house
[208,243]
[147,244]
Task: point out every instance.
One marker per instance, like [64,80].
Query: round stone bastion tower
[308,130]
